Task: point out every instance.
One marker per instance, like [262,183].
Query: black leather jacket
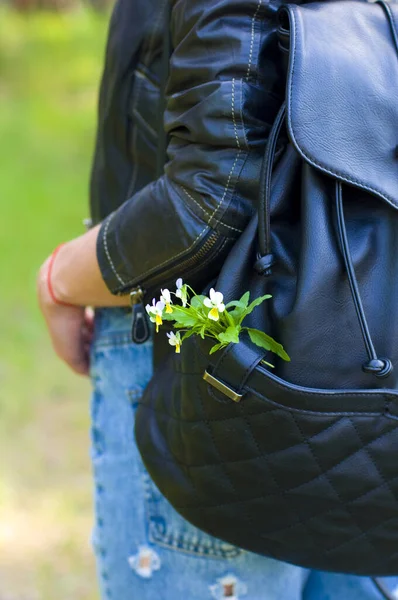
[224,89]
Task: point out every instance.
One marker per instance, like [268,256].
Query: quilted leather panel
[316,489]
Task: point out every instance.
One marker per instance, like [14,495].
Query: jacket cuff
[109,258]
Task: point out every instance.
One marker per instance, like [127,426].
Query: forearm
[76,277]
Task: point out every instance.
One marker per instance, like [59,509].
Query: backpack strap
[234,366]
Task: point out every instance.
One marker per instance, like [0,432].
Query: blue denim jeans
[145,550]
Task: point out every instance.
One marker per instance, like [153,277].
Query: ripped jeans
[145,550]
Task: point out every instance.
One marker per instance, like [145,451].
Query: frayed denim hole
[228,586]
[145,562]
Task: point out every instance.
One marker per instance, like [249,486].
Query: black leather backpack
[300,463]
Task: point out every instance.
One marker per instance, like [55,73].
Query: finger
[68,340]
[89,317]
[80,368]
[75,355]
[77,361]
[88,327]
[87,335]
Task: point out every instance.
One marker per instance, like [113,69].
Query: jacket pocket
[142,129]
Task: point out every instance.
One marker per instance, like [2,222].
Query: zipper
[141,328]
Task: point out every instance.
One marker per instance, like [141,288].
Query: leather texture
[304,468]
[124,124]
[360,140]
[220,106]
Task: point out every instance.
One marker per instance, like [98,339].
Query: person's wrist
[46,299]
[57,276]
[76,277]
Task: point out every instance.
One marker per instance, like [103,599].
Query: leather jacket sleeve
[222,95]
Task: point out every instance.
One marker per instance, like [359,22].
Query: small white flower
[155,312]
[215,303]
[181,291]
[175,340]
[166,298]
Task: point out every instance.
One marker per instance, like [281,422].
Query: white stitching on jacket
[205,211]
[236,158]
[235,161]
[249,66]
[105,243]
[186,250]
[226,189]
[233,109]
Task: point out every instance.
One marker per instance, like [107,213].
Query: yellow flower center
[213,314]
[178,348]
[158,321]
[169,310]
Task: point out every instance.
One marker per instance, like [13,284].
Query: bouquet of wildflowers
[208,316]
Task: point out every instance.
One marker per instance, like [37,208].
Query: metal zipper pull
[140,328]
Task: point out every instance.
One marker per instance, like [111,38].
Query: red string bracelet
[49,273]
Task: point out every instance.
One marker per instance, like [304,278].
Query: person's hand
[70,327]
[76,282]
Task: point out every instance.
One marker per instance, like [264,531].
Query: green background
[50,65]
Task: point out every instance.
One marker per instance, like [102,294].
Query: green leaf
[242,303]
[202,332]
[231,334]
[240,313]
[194,329]
[245,298]
[168,316]
[236,314]
[215,348]
[255,303]
[197,301]
[229,319]
[265,341]
[234,303]
[182,317]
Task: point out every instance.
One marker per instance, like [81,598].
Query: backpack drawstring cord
[381,367]
[265,259]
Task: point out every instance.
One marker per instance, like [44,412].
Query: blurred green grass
[50,66]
